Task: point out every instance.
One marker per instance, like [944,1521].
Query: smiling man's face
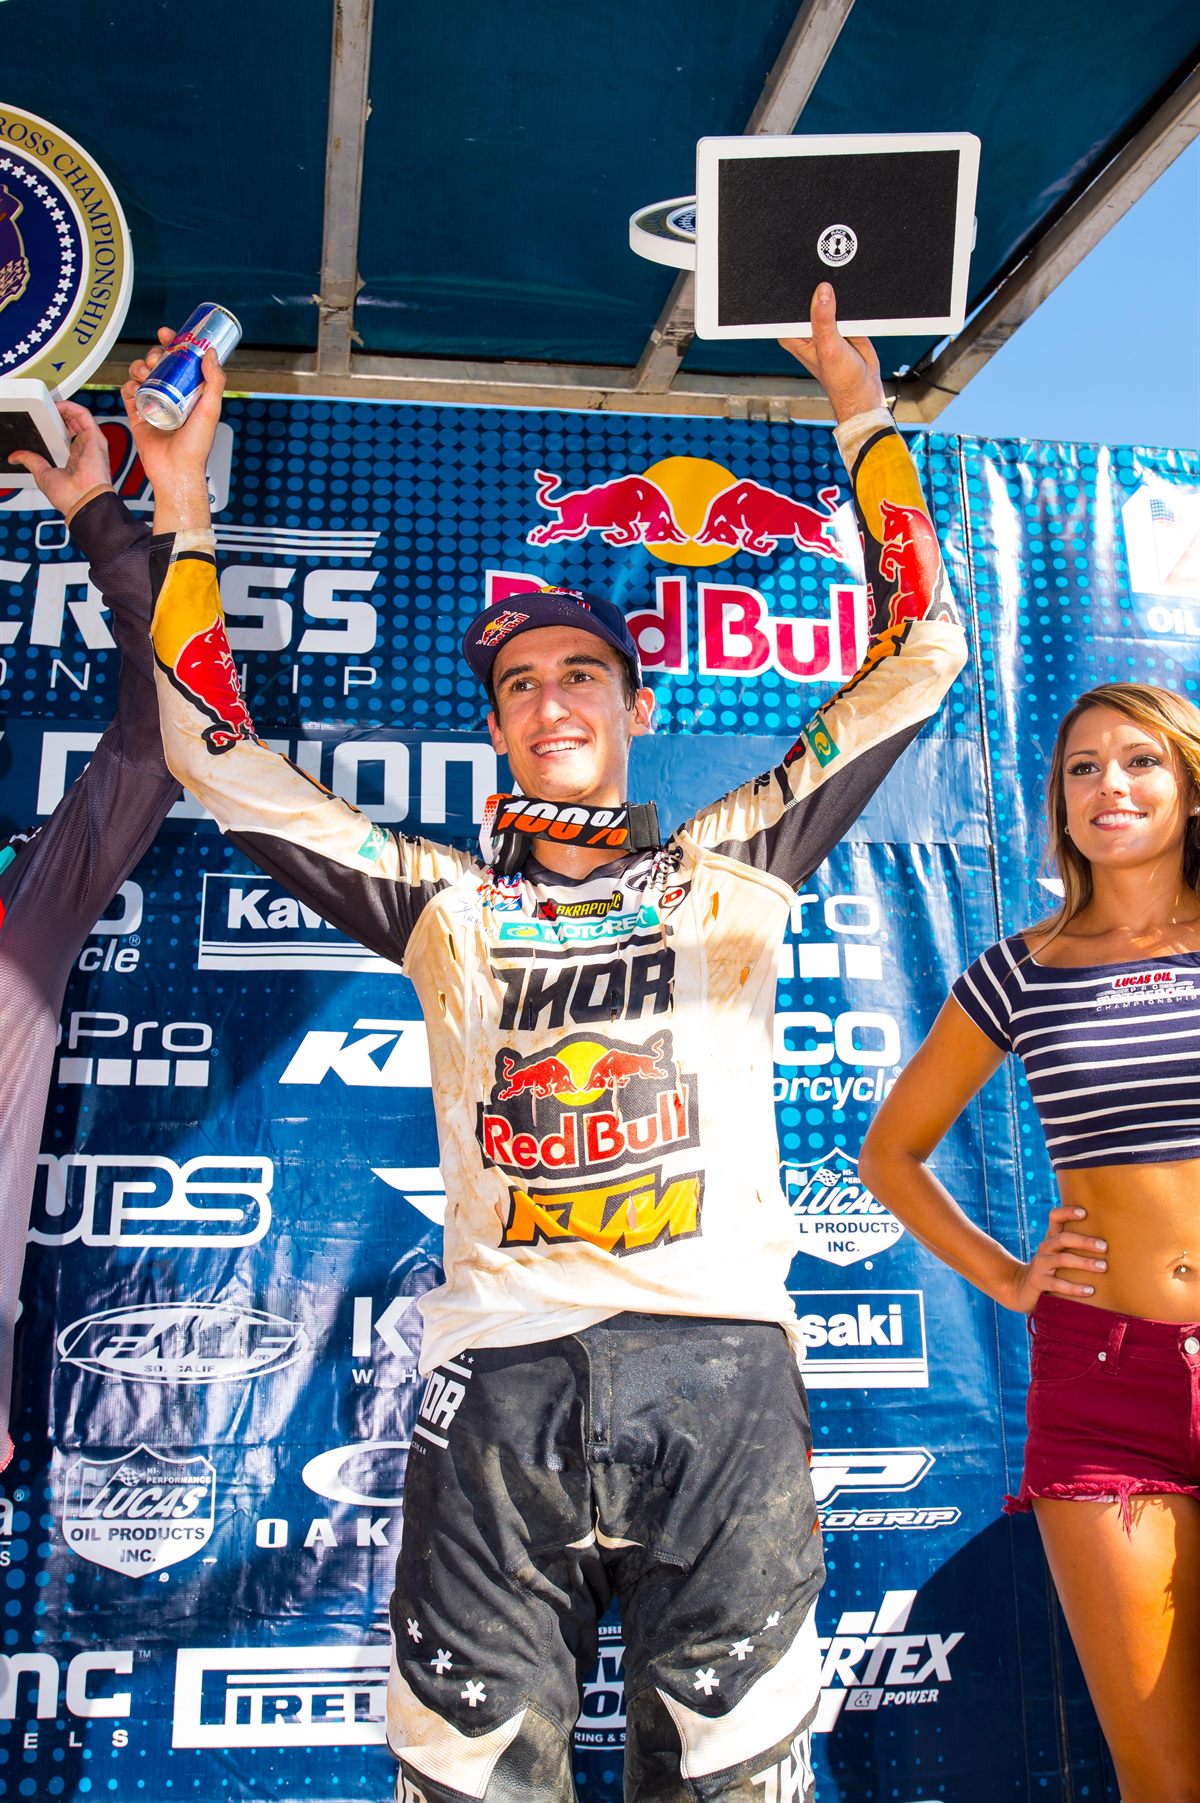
[1127,803]
[562,716]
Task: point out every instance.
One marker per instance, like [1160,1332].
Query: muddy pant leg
[498,1585]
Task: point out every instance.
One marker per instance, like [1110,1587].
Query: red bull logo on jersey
[587,1105]
[207,675]
[911,564]
[692,510]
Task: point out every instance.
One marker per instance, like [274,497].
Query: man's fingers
[74,417]
[128,390]
[165,335]
[30,461]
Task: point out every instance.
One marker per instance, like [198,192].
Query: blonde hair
[1161,711]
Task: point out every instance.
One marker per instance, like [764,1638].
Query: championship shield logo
[838,1218]
[141,1512]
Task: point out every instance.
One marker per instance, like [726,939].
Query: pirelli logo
[631,1216]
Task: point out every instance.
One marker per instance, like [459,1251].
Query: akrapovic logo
[116,1051]
[374,1054]
[134,1199]
[181,1343]
[842,1474]
[872,1661]
[301,1696]
[251,923]
[863,1339]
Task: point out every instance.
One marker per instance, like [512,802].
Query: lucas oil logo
[837,1217]
[579,1110]
[140,1512]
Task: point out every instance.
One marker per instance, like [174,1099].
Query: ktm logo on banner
[632,1216]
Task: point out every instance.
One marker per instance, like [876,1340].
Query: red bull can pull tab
[168,395]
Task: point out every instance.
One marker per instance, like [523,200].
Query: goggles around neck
[514,824]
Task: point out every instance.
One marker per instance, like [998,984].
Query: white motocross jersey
[601,1051]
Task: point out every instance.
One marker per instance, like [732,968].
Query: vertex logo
[309,1696]
[388,1054]
[863,1339]
[251,923]
[872,1662]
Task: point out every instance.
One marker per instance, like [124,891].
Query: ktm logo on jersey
[631,1216]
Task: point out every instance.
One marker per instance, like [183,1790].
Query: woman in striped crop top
[1101,1003]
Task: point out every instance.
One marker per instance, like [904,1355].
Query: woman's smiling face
[1127,798]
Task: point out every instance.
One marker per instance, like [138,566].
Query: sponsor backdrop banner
[239,1204]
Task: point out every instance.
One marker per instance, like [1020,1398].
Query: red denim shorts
[1113,1407]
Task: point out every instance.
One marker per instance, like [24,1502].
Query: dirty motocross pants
[662,1460]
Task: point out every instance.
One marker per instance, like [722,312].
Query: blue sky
[1113,355]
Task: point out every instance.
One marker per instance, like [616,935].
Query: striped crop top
[1111,1051]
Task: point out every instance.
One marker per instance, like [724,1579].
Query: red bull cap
[496,625]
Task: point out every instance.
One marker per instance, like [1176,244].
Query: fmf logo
[139,1200]
[388,1054]
[250,923]
[602,1704]
[836,1216]
[92,1688]
[585,1105]
[140,1512]
[854,1471]
[159,1054]
[300,1696]
[871,1662]
[181,1343]
[863,1339]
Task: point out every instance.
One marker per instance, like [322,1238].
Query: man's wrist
[182,505]
[99,488]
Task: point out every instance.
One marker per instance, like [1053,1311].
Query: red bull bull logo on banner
[691,510]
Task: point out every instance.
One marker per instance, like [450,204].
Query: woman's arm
[949,1069]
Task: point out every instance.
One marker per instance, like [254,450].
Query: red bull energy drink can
[168,395]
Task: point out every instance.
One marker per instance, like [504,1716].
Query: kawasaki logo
[251,923]
[863,1339]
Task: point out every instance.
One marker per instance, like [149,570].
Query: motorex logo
[374,1054]
[872,1661]
[251,923]
[299,1696]
[181,1343]
[863,1339]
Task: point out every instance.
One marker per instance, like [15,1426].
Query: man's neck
[573,861]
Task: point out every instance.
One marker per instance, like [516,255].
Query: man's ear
[497,737]
[643,714]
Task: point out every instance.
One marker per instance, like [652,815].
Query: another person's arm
[942,1077]
[788,820]
[369,882]
[108,819]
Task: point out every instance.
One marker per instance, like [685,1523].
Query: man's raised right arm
[365,880]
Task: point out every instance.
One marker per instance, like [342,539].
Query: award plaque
[888,218]
[66,269]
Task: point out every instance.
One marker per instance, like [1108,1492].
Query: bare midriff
[1150,1216]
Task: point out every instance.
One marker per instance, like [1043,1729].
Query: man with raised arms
[614,1405]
